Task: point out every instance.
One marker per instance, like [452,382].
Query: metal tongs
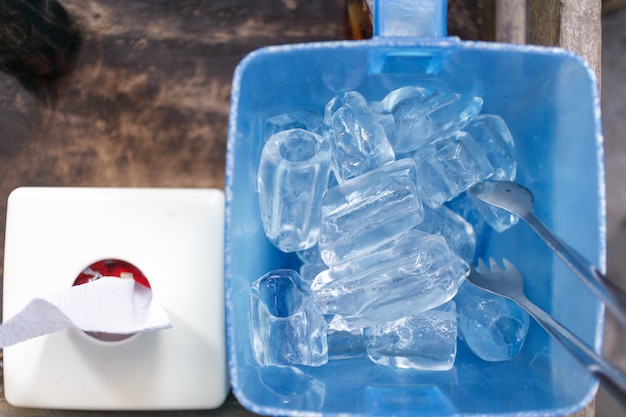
[519,200]
[508,282]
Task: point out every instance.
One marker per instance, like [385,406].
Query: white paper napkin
[108,305]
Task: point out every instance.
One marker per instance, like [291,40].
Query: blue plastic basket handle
[410,18]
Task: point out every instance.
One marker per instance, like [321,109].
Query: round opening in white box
[111,268]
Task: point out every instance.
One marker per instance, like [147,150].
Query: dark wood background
[146,101]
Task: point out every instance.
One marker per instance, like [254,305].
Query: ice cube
[312,263]
[458,232]
[423,115]
[358,141]
[310,256]
[344,344]
[293,175]
[464,206]
[493,135]
[416,270]
[287,327]
[424,341]
[369,210]
[493,327]
[448,167]
[300,119]
[308,271]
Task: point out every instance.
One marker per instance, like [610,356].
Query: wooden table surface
[146,103]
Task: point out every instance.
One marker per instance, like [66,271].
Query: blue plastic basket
[549,98]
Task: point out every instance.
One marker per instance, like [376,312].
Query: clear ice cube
[423,115]
[493,327]
[312,263]
[369,210]
[310,256]
[458,232]
[293,175]
[344,344]
[308,271]
[300,119]
[287,327]
[358,141]
[493,135]
[464,206]
[448,167]
[424,341]
[417,270]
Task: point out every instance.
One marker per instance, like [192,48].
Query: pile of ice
[371,197]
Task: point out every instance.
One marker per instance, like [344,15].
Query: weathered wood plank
[581,30]
[571,24]
[544,21]
[511,21]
